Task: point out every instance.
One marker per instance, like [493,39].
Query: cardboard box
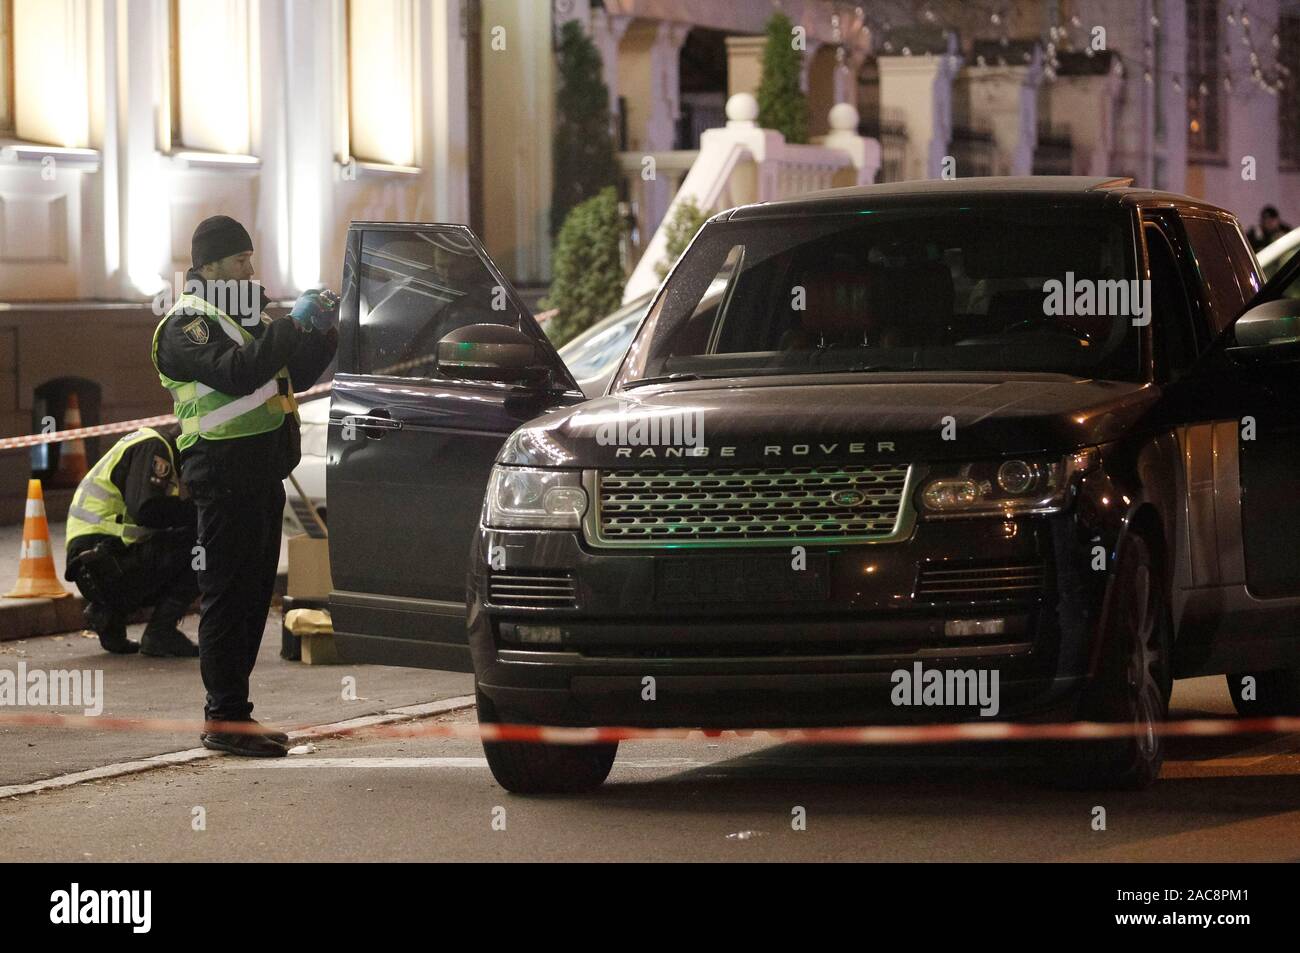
[309,568]
[314,631]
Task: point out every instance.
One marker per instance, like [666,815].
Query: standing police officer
[130,539]
[232,372]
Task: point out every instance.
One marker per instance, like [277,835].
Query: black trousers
[240,537]
[157,571]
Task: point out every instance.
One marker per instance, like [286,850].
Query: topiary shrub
[587,268]
[781,103]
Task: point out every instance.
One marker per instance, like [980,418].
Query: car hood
[834,419]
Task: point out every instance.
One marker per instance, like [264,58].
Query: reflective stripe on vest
[208,413]
[98,505]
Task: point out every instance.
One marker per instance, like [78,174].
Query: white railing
[741,163]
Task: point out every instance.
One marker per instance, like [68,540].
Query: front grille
[526,589]
[949,583]
[717,506]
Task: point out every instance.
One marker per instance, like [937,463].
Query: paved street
[360,798]
[284,693]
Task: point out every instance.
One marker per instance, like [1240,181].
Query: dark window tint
[1170,310]
[416,287]
[984,287]
[1220,284]
[1242,258]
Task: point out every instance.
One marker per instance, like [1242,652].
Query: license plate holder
[737,579]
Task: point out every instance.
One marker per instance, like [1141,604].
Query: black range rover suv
[1046,428]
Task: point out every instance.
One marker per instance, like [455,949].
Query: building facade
[125,122]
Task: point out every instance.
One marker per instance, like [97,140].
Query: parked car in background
[931,427]
[310,472]
[1276,254]
[594,355]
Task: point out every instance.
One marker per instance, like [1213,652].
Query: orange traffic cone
[37,578]
[72,455]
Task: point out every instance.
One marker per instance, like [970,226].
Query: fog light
[539,634]
[975,627]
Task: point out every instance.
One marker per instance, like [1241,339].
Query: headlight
[522,498]
[1012,487]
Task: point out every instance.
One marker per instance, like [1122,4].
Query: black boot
[167,643]
[248,746]
[111,629]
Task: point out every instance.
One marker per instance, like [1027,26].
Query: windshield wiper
[853,369]
[662,380]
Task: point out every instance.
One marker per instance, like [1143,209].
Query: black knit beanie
[216,238]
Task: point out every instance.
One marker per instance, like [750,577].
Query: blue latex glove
[317,309]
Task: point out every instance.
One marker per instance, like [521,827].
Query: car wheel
[525,767]
[1133,682]
[1276,693]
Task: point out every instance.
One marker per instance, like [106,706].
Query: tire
[1277,693]
[523,767]
[1133,681]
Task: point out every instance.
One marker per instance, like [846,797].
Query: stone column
[607,33]
[744,64]
[649,79]
[920,89]
[1005,98]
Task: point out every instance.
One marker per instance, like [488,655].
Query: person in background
[130,540]
[1271,228]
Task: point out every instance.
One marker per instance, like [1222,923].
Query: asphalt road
[136,686]
[362,798]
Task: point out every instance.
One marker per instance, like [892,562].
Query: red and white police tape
[860,735]
[124,426]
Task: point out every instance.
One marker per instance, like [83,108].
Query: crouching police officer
[130,538]
[232,373]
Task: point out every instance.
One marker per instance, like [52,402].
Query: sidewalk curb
[390,717]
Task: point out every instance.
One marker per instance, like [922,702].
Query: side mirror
[491,352]
[1268,333]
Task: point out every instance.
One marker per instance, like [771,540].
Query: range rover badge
[848,497]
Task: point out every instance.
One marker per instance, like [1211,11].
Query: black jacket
[145,477]
[244,464]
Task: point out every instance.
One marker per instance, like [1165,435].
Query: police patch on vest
[197,331]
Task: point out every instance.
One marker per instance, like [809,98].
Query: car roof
[1050,189]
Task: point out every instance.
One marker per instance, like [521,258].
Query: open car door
[410,448]
[1265,342]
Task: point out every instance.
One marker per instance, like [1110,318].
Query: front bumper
[634,650]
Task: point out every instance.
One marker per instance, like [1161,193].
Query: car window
[1223,295]
[416,287]
[975,288]
[1242,258]
[1171,310]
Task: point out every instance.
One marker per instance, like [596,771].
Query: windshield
[1033,288]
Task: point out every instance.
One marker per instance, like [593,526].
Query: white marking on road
[392,716]
[403,762]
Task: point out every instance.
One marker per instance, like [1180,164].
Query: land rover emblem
[848,497]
